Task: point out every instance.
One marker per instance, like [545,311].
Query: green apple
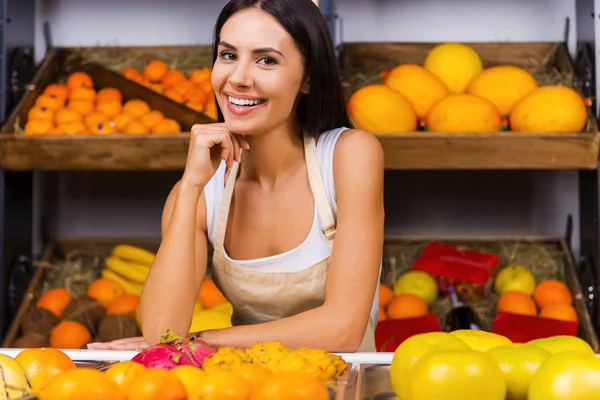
[419,283]
[515,278]
[518,362]
[566,376]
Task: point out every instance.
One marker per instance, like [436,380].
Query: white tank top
[314,248]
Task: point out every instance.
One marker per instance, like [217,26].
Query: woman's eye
[226,55]
[268,61]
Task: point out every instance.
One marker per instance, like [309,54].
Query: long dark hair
[323,108]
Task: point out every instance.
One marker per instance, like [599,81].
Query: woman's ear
[305,88]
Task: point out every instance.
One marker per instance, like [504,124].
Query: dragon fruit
[173,351]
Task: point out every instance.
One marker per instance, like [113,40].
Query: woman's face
[258,74]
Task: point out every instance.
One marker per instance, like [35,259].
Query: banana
[135,254]
[129,270]
[130,287]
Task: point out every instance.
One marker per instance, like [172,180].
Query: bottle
[460,316]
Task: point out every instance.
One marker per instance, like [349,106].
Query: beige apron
[260,297]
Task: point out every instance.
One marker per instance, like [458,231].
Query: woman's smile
[240,104]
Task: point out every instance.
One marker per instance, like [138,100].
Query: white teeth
[244,102]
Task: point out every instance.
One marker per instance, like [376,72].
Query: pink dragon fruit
[173,351]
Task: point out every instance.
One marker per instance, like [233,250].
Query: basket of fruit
[84,291]
[475,105]
[78,114]
[521,288]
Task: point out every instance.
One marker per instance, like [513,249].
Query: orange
[51,102]
[174,95]
[206,87]
[94,118]
[156,384]
[124,305]
[57,90]
[166,125]
[290,385]
[78,79]
[199,75]
[559,311]
[189,375]
[210,109]
[84,107]
[195,106]
[121,120]
[124,372]
[136,107]
[38,127]
[157,87]
[155,70]
[135,127]
[152,118]
[386,294]
[82,383]
[55,300]
[130,72]
[182,87]
[552,291]
[209,295]
[40,113]
[65,115]
[253,373]
[104,128]
[82,93]
[111,108]
[172,77]
[56,131]
[74,128]
[381,315]
[406,305]
[109,93]
[222,385]
[43,365]
[105,291]
[69,335]
[195,94]
[516,303]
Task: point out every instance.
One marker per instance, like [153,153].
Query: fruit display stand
[19,151]
[363,64]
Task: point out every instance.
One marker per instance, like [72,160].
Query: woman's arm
[339,324]
[171,288]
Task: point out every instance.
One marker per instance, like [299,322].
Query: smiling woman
[289,196]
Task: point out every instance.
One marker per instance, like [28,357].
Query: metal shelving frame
[18,215]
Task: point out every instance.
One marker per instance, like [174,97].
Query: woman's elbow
[348,337]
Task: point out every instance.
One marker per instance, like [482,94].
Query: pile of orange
[132,381]
[405,305]
[551,299]
[195,91]
[77,107]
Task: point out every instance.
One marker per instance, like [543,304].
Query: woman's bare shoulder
[359,145]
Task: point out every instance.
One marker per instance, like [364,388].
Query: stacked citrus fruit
[195,91]
[78,107]
[52,375]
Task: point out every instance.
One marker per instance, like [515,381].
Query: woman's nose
[241,76]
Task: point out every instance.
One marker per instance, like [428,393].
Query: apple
[481,340]
[411,350]
[518,362]
[566,376]
[417,282]
[515,277]
[457,375]
[563,343]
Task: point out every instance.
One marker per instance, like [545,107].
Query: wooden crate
[362,63]
[95,152]
[548,252]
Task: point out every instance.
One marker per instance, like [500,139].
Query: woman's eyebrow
[261,50]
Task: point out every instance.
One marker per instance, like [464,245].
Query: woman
[290,199]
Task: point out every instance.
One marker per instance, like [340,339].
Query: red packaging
[390,334]
[470,272]
[523,328]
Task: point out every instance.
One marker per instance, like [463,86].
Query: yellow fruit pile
[76,107]
[275,357]
[195,91]
[51,375]
[452,92]
[481,365]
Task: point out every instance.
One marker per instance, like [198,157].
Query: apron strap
[318,187]
[224,208]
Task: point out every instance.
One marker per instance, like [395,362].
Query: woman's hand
[133,343]
[209,145]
